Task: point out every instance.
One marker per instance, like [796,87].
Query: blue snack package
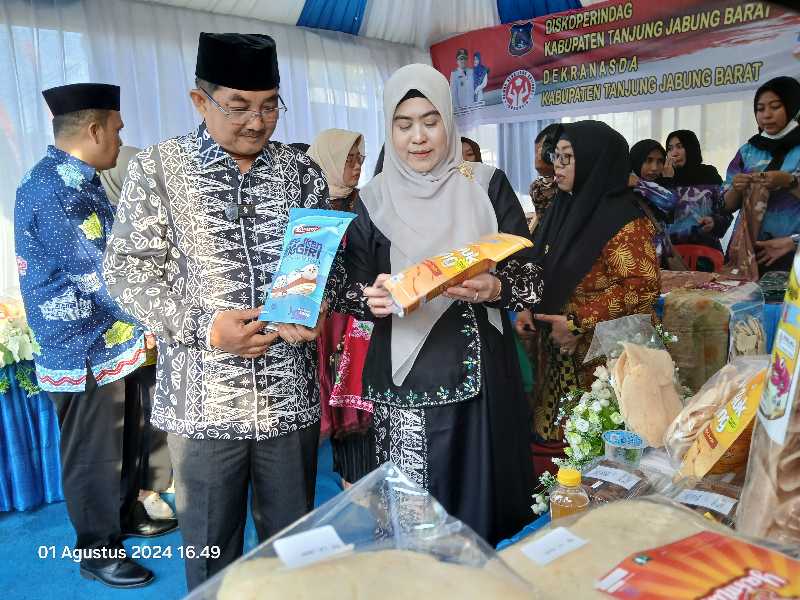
[309,246]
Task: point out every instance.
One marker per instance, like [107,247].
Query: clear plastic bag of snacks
[610,335]
[384,535]
[728,384]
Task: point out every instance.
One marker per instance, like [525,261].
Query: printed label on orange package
[705,566]
[784,371]
[720,435]
[431,277]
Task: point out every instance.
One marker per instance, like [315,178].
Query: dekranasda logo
[518,89]
[301,229]
[746,585]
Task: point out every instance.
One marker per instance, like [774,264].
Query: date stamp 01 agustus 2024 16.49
[136,552]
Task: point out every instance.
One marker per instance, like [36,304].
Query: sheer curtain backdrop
[328,79]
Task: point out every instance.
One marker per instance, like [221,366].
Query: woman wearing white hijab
[449,408]
[340,154]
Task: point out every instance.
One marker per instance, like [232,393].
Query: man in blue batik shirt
[91,350]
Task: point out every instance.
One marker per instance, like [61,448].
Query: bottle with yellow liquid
[568,498]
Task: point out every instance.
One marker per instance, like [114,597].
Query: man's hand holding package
[378,298]
[239,332]
[299,334]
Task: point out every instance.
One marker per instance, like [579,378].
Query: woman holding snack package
[762,180]
[599,259]
[448,402]
[341,346]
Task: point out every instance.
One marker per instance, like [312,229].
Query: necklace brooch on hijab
[466,170]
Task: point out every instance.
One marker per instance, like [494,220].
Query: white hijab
[329,151]
[425,214]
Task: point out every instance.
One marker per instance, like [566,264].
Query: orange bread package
[430,278]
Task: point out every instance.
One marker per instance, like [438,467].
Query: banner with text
[618,55]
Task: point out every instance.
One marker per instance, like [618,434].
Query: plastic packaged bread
[430,278]
[607,481]
[712,499]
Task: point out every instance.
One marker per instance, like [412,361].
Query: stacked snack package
[383,536]
[712,433]
[770,502]
[712,499]
[650,548]
[712,327]
[609,481]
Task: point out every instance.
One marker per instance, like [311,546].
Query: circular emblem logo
[518,89]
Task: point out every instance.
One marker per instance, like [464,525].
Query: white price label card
[617,476]
[718,502]
[311,546]
[554,545]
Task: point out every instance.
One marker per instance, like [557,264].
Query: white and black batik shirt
[175,260]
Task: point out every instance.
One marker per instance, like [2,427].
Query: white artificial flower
[596,406]
[582,425]
[616,418]
[586,398]
[601,373]
[604,402]
[597,385]
[13,346]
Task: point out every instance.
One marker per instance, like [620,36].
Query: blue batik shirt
[62,220]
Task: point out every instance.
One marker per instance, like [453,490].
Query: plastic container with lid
[568,498]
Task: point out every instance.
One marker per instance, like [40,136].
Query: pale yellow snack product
[612,533]
[645,387]
[396,574]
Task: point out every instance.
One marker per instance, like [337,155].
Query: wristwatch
[795,238]
[795,182]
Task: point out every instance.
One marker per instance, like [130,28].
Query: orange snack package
[430,278]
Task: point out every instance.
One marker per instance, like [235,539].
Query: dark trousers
[212,478]
[156,465]
[101,441]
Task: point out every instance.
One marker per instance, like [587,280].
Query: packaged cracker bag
[309,246]
[430,278]
[712,433]
[384,537]
[770,502]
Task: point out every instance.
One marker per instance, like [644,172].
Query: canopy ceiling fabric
[413,22]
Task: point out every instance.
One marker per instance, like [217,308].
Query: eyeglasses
[244,116]
[563,159]
[357,159]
